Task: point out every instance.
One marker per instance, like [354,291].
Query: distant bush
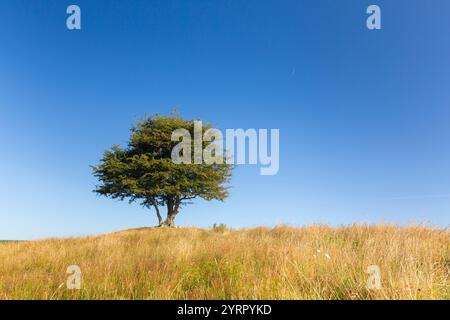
[220,227]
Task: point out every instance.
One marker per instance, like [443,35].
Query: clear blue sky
[363,115]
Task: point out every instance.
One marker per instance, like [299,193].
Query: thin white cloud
[419,197]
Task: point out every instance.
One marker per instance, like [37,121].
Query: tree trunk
[155,205]
[172,211]
[160,220]
[170,220]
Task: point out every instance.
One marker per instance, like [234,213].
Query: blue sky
[363,115]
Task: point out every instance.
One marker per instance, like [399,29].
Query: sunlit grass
[316,262]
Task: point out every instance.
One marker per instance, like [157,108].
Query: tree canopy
[144,172]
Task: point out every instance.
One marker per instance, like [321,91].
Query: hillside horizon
[243,228]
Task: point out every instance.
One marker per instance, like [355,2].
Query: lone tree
[144,170]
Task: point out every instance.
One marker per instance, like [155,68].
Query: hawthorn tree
[144,171]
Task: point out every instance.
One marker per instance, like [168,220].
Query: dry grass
[261,263]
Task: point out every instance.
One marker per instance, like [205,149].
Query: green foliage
[220,228]
[144,171]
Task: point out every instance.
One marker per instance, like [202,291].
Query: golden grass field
[316,262]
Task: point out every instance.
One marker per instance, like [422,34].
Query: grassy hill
[315,262]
